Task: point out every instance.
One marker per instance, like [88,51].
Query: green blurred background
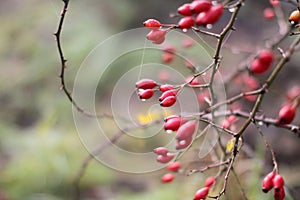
[40,151]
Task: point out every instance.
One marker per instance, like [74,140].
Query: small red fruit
[168,93]
[269,14]
[201,194]
[267,183]
[186,22]
[152,24]
[166,87]
[165,158]
[157,36]
[286,114]
[167,57]
[174,167]
[257,67]
[278,182]
[275,3]
[145,84]
[145,94]
[186,130]
[167,178]
[279,194]
[185,10]
[209,181]
[168,101]
[161,151]
[199,6]
[173,124]
[266,56]
[294,17]
[181,144]
[211,16]
[169,49]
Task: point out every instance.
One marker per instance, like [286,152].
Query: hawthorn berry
[173,124]
[157,36]
[266,56]
[192,81]
[267,183]
[166,87]
[262,63]
[209,181]
[152,24]
[174,167]
[185,10]
[229,121]
[145,94]
[278,182]
[186,22]
[275,3]
[294,17]
[161,151]
[211,16]
[182,144]
[199,6]
[168,101]
[167,178]
[145,84]
[201,194]
[186,130]
[286,114]
[168,93]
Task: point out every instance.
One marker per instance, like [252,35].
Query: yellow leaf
[230,145]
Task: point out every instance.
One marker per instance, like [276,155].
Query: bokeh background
[40,151]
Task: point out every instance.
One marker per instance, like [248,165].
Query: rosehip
[161,151]
[211,16]
[165,158]
[167,178]
[157,36]
[279,194]
[185,10]
[186,130]
[145,84]
[169,49]
[152,24]
[146,94]
[194,82]
[267,183]
[199,6]
[275,3]
[168,101]
[181,144]
[286,114]
[201,194]
[174,167]
[167,57]
[269,14]
[278,182]
[295,16]
[166,87]
[228,121]
[266,56]
[168,93]
[186,22]
[209,181]
[257,67]
[173,124]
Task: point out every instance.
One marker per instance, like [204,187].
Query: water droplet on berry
[260,123]
[143,99]
[182,142]
[184,30]
[232,10]
[169,131]
[209,26]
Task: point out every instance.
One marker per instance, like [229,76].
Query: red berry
[145,84]
[211,16]
[294,16]
[250,82]
[267,183]
[293,93]
[152,24]
[167,178]
[146,94]
[209,181]
[157,36]
[167,57]
[275,3]
[168,93]
[194,82]
[199,6]
[174,167]
[269,14]
[166,87]
[186,43]
[165,158]
[201,194]
[278,182]
[168,101]
[257,67]
[266,56]
[186,22]
[286,114]
[181,144]
[173,124]
[186,130]
[279,194]
[161,151]
[169,49]
[185,10]
[203,96]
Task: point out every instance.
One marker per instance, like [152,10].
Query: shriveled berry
[186,22]
[146,94]
[286,114]
[209,181]
[167,178]
[145,84]
[199,6]
[278,182]
[168,93]
[174,167]
[186,130]
[168,101]
[166,87]
[161,150]
[294,17]
[267,183]
[185,10]
[152,24]
[201,194]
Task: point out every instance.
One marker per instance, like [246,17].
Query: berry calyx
[152,24]
[186,22]
[168,101]
[145,84]
[267,183]
[174,167]
[167,178]
[286,114]
[209,181]
[185,10]
[201,194]
[278,182]
[145,94]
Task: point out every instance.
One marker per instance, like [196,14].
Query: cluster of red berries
[172,167]
[146,88]
[164,156]
[202,193]
[262,62]
[199,12]
[273,180]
